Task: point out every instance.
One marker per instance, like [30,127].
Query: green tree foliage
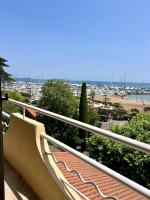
[134,112]
[93,118]
[147,109]
[4,76]
[9,107]
[106,101]
[57,97]
[92,94]
[129,162]
[119,113]
[83,115]
[83,107]
[117,105]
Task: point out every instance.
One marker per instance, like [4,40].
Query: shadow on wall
[15,186]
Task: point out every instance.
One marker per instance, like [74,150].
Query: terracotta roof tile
[32,112]
[107,184]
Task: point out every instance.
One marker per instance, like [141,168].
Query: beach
[128,104]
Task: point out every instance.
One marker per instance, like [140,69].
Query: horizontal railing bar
[71,186]
[144,191]
[5,114]
[116,137]
[81,178]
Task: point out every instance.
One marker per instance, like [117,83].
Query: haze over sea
[118,84]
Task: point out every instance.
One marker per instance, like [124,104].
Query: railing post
[2,193]
[2,189]
[24,112]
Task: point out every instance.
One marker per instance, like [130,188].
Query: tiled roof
[32,112]
[107,184]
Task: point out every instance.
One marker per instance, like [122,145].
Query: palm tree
[4,76]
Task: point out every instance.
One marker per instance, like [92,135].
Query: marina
[130,91]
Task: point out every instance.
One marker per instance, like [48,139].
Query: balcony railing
[134,144]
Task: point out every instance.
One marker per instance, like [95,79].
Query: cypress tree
[83,115]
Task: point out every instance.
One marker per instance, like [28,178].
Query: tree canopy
[9,107]
[4,76]
[83,115]
[57,97]
[92,94]
[147,109]
[122,159]
[83,107]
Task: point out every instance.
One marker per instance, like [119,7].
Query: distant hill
[98,83]
[30,80]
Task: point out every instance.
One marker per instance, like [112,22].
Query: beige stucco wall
[25,151]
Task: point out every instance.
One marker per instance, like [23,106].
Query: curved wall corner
[25,151]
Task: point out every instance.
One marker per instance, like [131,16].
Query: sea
[140,97]
[117,84]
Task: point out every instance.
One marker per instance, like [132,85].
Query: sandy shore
[126,103]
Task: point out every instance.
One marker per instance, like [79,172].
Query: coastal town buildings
[34,89]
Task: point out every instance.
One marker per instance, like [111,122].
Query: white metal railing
[4,123]
[80,176]
[5,114]
[118,138]
[69,170]
[99,166]
[66,183]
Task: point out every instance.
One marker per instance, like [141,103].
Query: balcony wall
[25,151]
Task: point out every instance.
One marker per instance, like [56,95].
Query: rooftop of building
[107,184]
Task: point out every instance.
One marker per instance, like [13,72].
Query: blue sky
[77,39]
